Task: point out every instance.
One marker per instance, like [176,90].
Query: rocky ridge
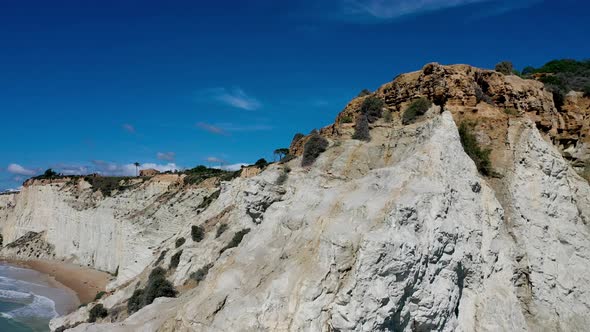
[397,234]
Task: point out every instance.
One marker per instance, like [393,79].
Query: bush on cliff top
[312,149]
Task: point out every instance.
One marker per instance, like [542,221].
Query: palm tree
[136,168]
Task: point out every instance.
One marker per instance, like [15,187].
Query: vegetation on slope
[313,148]
[157,286]
[481,157]
[417,108]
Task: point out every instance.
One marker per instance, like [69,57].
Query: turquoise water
[28,300]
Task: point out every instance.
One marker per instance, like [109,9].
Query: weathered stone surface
[397,234]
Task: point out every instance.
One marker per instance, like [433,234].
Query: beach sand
[83,281]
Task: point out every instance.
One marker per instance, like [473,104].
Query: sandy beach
[83,281]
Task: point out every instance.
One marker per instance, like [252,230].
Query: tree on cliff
[281,153]
[136,164]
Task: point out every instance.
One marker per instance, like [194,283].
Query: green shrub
[180,241]
[197,233]
[346,119]
[387,116]
[586,91]
[504,67]
[235,241]
[481,157]
[417,108]
[107,184]
[98,311]
[175,260]
[158,286]
[364,92]
[99,295]
[361,129]
[135,302]
[261,163]
[372,108]
[222,228]
[511,111]
[312,149]
[201,273]
[161,257]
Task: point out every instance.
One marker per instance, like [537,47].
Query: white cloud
[129,128]
[392,9]
[168,156]
[114,169]
[20,170]
[232,167]
[214,160]
[211,128]
[235,97]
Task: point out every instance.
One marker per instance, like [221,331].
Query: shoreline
[82,282]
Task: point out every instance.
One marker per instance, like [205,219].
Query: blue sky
[91,86]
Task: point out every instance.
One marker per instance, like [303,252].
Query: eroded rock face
[397,234]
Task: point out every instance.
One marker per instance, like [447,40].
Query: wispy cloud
[20,170]
[235,97]
[214,160]
[129,128]
[387,10]
[226,129]
[211,128]
[167,156]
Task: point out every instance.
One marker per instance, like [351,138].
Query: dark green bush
[98,311]
[481,96]
[107,184]
[372,108]
[346,119]
[161,257]
[481,157]
[99,295]
[201,273]
[222,228]
[364,92]
[180,241]
[312,149]
[511,111]
[197,233]
[417,108]
[135,301]
[261,163]
[157,286]
[387,116]
[586,91]
[504,67]
[235,241]
[175,260]
[361,129]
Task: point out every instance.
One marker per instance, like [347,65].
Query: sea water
[27,300]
